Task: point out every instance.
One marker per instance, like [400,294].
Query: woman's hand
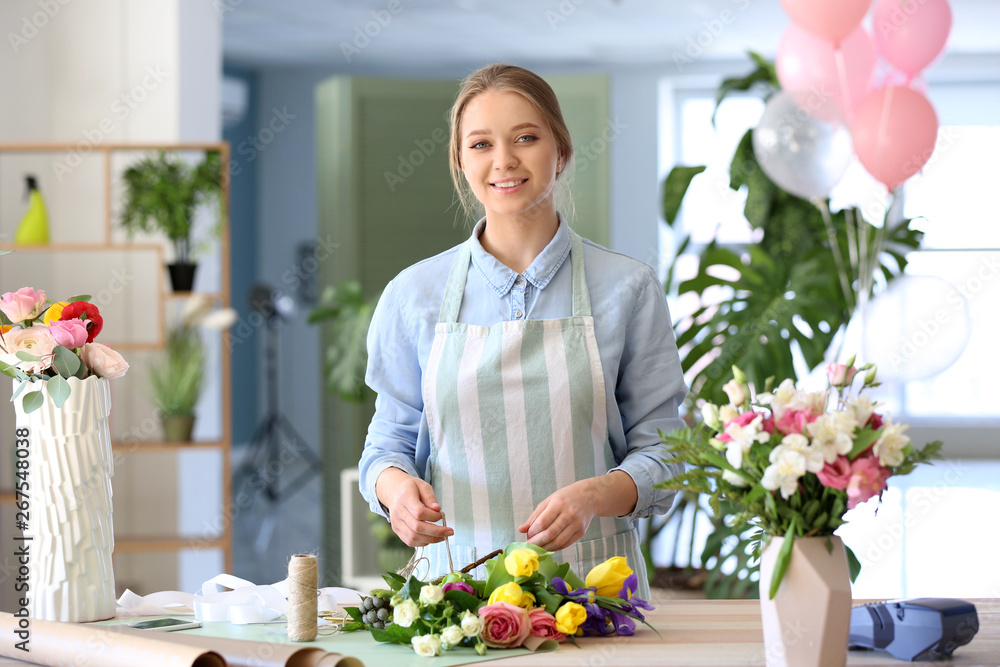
[413,508]
[563,517]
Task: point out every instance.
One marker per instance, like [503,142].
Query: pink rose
[836,475]
[24,304]
[744,419]
[504,625]
[794,421]
[868,478]
[840,375]
[69,333]
[458,586]
[543,624]
[36,341]
[103,361]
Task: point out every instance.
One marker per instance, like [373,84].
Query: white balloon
[917,328]
[803,144]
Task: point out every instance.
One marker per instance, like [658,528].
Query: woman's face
[509,155]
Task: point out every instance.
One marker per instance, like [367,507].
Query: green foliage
[348,315]
[176,379]
[162,193]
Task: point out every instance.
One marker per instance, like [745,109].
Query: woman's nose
[504,159]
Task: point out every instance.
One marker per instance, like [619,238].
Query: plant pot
[807,622]
[177,428]
[182,276]
[69,523]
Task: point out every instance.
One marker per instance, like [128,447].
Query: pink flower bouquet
[793,462]
[44,343]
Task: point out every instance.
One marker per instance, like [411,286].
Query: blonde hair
[507,79]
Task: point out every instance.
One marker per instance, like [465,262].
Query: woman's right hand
[413,508]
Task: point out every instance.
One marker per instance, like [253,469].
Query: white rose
[431,594]
[452,636]
[36,341]
[736,391]
[427,646]
[472,625]
[404,613]
[103,361]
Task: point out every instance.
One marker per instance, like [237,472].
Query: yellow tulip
[609,576]
[521,562]
[569,617]
[513,594]
[54,312]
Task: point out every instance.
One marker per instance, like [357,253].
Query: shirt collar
[501,277]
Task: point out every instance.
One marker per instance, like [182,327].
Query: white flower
[817,401]
[35,340]
[472,625]
[431,594]
[862,408]
[889,447]
[728,413]
[784,397]
[736,391]
[452,636]
[784,472]
[427,646]
[796,442]
[103,361]
[710,415]
[404,613]
[832,434]
[742,439]
[734,479]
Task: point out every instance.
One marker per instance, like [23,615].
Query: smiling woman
[505,406]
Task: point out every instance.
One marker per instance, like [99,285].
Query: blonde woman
[521,376]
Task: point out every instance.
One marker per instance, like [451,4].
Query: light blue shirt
[642,370]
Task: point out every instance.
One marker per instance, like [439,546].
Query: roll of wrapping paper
[116,646]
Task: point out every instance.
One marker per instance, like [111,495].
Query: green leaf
[393,580]
[462,600]
[24,356]
[674,188]
[7,369]
[853,564]
[412,588]
[864,439]
[66,363]
[79,297]
[784,558]
[58,390]
[395,634]
[354,613]
[32,401]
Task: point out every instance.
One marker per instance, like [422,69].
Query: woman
[523,375]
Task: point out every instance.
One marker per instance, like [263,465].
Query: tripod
[262,468]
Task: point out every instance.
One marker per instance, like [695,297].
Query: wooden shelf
[83,247]
[136,447]
[169,543]
[214,296]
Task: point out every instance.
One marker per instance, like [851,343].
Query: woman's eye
[478,144]
[527,139]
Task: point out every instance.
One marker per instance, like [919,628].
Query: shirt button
[519,281]
[518,314]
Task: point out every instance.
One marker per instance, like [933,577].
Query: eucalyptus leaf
[81,297]
[19,389]
[25,356]
[65,362]
[58,390]
[32,401]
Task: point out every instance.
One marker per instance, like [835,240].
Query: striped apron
[517,411]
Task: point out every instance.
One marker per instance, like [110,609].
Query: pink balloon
[910,33]
[843,72]
[832,20]
[894,132]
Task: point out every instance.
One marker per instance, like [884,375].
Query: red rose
[875,421]
[504,625]
[836,475]
[87,312]
[543,624]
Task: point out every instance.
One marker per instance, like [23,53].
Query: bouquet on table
[43,343]
[794,461]
[526,599]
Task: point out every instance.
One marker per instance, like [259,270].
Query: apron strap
[455,288]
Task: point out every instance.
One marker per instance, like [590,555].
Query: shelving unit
[150,301]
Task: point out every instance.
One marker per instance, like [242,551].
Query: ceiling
[419,36]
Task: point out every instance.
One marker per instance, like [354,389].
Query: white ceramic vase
[807,622]
[70,516]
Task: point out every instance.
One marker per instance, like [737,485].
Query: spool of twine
[302,598]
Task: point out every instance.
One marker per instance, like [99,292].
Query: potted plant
[162,193]
[176,381]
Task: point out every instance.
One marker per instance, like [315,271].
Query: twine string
[303,603]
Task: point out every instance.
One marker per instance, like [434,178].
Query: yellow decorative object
[609,576]
[34,227]
[569,617]
[521,562]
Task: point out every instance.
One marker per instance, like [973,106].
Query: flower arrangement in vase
[527,599]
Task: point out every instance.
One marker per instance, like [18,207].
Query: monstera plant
[779,297]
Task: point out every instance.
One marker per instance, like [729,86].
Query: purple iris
[606,620]
[458,586]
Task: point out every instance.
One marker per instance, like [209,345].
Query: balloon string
[845,91]
[837,257]
[883,123]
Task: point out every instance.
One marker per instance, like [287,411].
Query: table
[715,633]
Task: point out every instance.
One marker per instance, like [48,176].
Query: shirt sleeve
[649,393]
[394,374]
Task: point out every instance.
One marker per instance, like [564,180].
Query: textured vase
[807,622]
[70,517]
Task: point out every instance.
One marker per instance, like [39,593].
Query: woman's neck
[517,240]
